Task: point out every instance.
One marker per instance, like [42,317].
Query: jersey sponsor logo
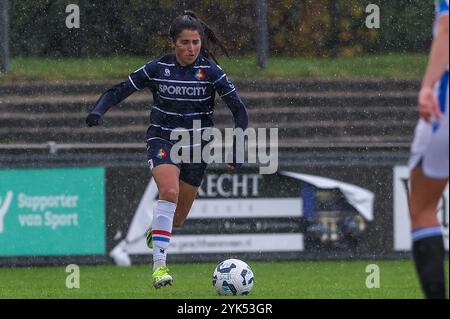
[200,75]
[167,72]
[182,90]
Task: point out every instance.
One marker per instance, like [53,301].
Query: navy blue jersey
[181,95]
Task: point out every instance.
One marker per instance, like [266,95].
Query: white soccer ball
[233,277]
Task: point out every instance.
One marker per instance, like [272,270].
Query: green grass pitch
[378,66]
[273,280]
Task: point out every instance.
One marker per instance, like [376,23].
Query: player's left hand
[232,161]
[429,105]
[234,167]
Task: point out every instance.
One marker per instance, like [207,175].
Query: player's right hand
[429,105]
[93,119]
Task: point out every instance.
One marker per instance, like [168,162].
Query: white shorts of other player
[431,145]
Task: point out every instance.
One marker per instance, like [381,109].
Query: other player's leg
[428,242]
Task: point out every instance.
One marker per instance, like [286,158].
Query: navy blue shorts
[158,152]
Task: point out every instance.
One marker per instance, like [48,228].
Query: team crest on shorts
[200,75]
[161,154]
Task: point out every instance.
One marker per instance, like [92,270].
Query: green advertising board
[52,212]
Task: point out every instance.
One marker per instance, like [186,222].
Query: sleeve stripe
[442,12]
[129,77]
[442,8]
[146,74]
[228,93]
[220,78]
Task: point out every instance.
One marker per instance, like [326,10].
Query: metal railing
[134,154]
[4,35]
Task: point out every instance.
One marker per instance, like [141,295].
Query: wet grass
[273,280]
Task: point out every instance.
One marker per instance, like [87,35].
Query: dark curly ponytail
[190,21]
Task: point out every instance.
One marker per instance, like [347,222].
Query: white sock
[162,231]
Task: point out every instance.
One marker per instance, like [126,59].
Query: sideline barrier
[242,215]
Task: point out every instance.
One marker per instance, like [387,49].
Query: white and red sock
[162,231]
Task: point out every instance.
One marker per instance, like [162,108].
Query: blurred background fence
[296,28]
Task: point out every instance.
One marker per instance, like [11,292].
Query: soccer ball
[233,277]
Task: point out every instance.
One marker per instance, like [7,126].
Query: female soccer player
[184,85]
[429,162]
